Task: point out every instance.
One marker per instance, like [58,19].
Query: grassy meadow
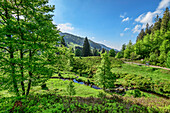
[130,77]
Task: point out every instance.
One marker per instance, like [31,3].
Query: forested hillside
[73,41]
[152,43]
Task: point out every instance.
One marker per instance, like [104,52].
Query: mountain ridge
[73,41]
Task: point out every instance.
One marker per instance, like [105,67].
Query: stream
[75,81]
[119,89]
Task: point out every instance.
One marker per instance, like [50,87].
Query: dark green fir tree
[86,48]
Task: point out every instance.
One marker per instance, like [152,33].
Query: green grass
[144,71]
[130,93]
[144,78]
[66,74]
[59,87]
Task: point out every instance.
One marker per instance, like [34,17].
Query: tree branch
[4,59]
[3,18]
[2,22]
[5,49]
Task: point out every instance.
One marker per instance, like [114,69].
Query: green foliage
[73,41]
[101,95]
[63,41]
[86,48]
[52,103]
[137,93]
[153,42]
[95,52]
[112,53]
[168,60]
[119,55]
[106,78]
[27,45]
[129,49]
[162,57]
[144,78]
[71,89]
[78,52]
[71,62]
[165,20]
[44,86]
[141,35]
[153,57]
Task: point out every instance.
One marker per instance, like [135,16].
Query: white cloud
[126,29]
[121,34]
[163,4]
[93,38]
[121,16]
[137,29]
[139,18]
[65,27]
[149,16]
[125,19]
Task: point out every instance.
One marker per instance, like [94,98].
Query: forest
[40,73]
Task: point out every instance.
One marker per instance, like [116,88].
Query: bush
[137,93]
[168,60]
[70,89]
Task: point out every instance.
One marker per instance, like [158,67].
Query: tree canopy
[28,40]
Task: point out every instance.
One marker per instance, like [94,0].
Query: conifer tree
[118,55]
[104,75]
[63,41]
[147,29]
[165,20]
[112,53]
[168,60]
[157,25]
[78,52]
[103,50]
[86,48]
[71,89]
[141,35]
[95,53]
[129,49]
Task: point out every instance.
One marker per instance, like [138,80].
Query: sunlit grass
[144,71]
[59,87]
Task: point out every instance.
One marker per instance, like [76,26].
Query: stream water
[75,81]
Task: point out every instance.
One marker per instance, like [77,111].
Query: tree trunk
[13,69]
[22,73]
[21,55]
[30,72]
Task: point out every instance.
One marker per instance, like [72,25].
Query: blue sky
[110,22]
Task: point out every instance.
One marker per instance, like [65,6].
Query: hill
[72,41]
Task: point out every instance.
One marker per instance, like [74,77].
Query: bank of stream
[120,89]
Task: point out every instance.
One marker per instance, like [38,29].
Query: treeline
[87,51]
[152,44]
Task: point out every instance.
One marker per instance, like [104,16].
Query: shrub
[70,89]
[137,93]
